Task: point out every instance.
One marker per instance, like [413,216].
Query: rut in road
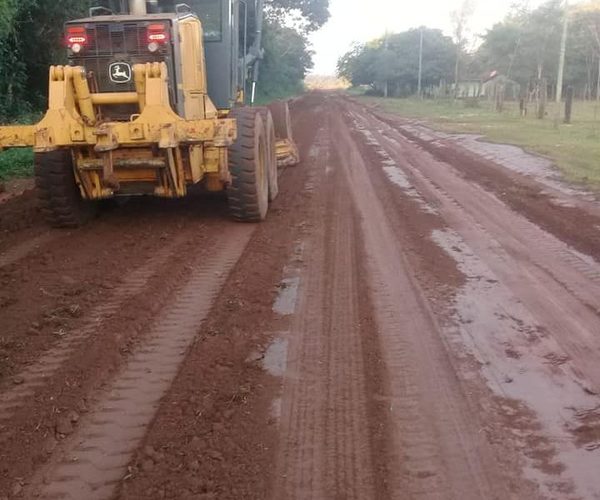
[440,455]
[527,312]
[471,378]
[35,375]
[325,449]
[94,459]
[13,254]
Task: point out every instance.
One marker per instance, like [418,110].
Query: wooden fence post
[569,104]
[543,98]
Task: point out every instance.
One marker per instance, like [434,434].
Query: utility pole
[563,50]
[419,94]
[386,84]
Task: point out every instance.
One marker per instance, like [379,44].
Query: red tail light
[157,33]
[76,35]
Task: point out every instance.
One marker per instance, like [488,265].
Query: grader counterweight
[153,101]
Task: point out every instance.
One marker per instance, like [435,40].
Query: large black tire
[248,193]
[58,191]
[271,152]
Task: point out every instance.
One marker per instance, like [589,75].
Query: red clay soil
[412,368]
[216,436]
[54,291]
[213,437]
[520,192]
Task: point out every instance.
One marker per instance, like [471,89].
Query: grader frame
[126,147]
[172,136]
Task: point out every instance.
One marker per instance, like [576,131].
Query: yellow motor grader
[151,102]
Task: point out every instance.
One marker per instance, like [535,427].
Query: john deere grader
[152,102]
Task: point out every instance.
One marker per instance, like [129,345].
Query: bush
[285,64]
[471,103]
[16,163]
[372,92]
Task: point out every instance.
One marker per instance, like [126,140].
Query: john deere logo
[119,72]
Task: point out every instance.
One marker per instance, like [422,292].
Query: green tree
[460,24]
[286,62]
[314,12]
[287,58]
[395,61]
[30,40]
[525,45]
[540,37]
[358,64]
[31,33]
[501,47]
[585,43]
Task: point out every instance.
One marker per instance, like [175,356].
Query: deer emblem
[120,72]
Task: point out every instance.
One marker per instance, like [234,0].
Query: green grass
[575,148]
[263,98]
[356,91]
[16,163]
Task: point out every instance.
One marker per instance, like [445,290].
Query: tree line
[31,39]
[523,48]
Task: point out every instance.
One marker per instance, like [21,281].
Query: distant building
[488,86]
[469,88]
[496,83]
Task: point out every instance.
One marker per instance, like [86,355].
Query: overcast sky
[362,20]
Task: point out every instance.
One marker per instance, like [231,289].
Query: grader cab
[153,101]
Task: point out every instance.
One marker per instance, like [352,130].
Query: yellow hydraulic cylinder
[114,98]
[84,98]
[139,75]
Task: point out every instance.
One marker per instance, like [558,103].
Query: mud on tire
[248,193]
[58,191]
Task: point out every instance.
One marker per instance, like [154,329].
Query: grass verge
[16,163]
[575,148]
[263,98]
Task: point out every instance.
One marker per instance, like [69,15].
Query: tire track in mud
[557,214]
[438,453]
[326,444]
[376,399]
[528,318]
[503,237]
[35,375]
[217,429]
[21,250]
[92,462]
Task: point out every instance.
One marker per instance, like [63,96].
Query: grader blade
[287,150]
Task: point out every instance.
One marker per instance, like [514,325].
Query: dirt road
[418,318]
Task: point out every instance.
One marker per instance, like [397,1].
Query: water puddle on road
[393,171]
[274,362]
[508,156]
[522,362]
[275,358]
[285,303]
[396,175]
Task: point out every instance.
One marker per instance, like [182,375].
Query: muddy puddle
[521,361]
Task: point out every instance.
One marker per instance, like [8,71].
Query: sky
[363,20]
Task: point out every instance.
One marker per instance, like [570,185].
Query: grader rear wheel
[248,193]
[58,191]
